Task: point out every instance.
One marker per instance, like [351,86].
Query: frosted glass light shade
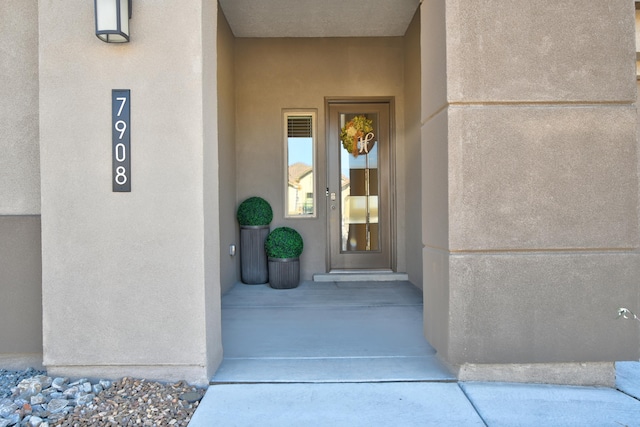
[112,20]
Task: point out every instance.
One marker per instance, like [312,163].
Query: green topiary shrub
[283,242]
[254,211]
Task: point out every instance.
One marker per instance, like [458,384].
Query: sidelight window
[300,142]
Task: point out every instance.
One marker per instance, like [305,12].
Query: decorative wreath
[356,129]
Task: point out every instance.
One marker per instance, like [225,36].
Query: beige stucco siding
[435,180]
[20,160]
[226,122]
[534,245]
[20,251]
[412,226]
[545,51]
[124,273]
[533,177]
[20,284]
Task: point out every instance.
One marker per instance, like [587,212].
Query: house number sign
[121,139]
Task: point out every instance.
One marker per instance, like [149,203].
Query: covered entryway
[329,331]
[273,76]
[366,204]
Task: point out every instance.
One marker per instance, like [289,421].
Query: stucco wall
[542,230]
[229,265]
[413,160]
[213,158]
[20,161]
[20,259]
[546,51]
[124,289]
[435,181]
[20,284]
[272,74]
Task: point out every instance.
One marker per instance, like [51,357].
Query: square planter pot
[284,273]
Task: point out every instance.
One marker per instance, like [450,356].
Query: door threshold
[361,276]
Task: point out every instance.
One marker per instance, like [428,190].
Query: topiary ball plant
[284,242]
[254,211]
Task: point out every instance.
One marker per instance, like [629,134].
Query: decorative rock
[125,402]
[9,379]
[191,397]
[54,418]
[20,402]
[35,421]
[27,388]
[38,399]
[57,405]
[80,381]
[45,381]
[86,387]
[27,409]
[32,386]
[60,383]
[84,399]
[7,407]
[39,410]
[71,392]
[14,418]
[49,391]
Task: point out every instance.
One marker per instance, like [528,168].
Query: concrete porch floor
[353,354]
[326,332]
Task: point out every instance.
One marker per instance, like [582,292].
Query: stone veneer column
[530,197]
[130,282]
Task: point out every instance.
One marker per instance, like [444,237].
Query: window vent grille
[299,127]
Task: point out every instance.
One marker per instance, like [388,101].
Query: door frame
[393,230]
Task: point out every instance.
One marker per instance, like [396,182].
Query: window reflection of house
[300,189]
[345,191]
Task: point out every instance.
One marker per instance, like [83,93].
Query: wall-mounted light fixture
[112,20]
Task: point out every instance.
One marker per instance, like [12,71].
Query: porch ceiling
[319,18]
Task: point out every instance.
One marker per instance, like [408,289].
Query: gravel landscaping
[33,399]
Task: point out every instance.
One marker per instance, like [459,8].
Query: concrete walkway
[353,354]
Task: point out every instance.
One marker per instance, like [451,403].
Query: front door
[359,214]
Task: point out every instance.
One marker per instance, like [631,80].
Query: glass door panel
[359,176]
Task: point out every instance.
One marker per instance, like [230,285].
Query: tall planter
[254,216]
[284,246]
[253,258]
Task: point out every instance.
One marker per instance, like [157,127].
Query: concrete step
[331,370]
[361,276]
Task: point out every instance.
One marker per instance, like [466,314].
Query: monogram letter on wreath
[357,136]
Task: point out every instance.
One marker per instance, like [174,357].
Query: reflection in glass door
[359,190]
[359,182]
